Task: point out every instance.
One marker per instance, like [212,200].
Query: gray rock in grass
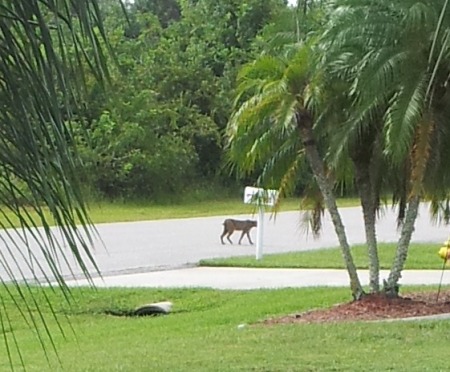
[157,308]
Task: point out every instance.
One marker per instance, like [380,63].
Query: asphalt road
[156,245]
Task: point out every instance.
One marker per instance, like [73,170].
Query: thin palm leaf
[36,147]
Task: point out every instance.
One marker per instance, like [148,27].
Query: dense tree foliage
[161,127]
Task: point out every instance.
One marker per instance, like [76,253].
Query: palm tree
[397,61]
[388,108]
[38,161]
[273,123]
[355,155]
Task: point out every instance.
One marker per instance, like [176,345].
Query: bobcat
[230,226]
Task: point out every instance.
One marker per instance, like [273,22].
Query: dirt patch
[374,307]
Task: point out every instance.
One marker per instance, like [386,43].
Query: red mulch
[374,307]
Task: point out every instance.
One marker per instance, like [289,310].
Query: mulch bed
[374,307]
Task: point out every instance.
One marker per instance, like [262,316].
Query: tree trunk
[391,285]
[419,160]
[304,123]
[368,204]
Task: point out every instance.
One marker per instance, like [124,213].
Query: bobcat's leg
[242,235]
[223,234]
[248,236]
[228,237]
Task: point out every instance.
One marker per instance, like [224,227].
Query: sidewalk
[243,278]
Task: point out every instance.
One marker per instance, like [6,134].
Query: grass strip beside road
[420,256]
[109,212]
[127,212]
[202,334]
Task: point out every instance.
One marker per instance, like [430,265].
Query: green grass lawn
[420,256]
[106,212]
[124,212]
[202,334]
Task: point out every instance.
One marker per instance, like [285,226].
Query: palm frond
[403,114]
[440,210]
[421,153]
[40,86]
[437,32]
[313,209]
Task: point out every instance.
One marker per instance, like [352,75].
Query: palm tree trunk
[369,210]
[419,160]
[391,285]
[304,124]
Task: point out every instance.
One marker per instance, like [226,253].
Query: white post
[260,232]
[260,197]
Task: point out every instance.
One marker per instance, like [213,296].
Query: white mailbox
[258,196]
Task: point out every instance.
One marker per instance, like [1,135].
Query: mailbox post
[260,198]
